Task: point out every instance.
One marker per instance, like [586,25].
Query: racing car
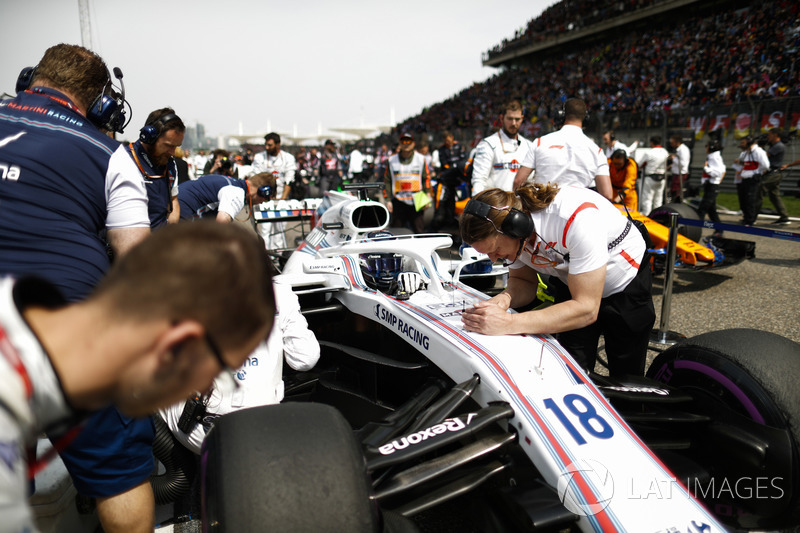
[411,423]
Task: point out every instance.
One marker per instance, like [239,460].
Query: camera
[225,165]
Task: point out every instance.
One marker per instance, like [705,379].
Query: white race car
[411,423]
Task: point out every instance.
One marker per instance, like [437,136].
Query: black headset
[516,224]
[107,111]
[561,115]
[150,133]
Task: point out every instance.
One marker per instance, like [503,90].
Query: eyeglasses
[406,141]
[224,382]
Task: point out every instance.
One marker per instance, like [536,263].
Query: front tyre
[279,468]
[747,381]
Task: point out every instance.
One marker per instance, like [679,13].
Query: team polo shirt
[200,198]
[62,183]
[572,236]
[566,157]
[161,184]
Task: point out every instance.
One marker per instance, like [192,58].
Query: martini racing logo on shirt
[512,165]
[404,328]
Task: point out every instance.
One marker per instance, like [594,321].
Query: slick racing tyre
[746,382]
[661,215]
[290,467]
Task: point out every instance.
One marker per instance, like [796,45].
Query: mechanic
[713,172]
[754,163]
[613,144]
[60,215]
[125,344]
[259,379]
[654,168]
[596,260]
[771,180]
[224,198]
[330,168]
[452,160]
[623,172]
[498,156]
[567,156]
[406,174]
[283,166]
[154,155]
[679,167]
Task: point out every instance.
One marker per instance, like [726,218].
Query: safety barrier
[663,335]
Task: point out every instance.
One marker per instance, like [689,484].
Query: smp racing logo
[403,328]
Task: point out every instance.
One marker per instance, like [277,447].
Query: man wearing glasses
[126,344]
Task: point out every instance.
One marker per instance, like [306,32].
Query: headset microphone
[108,110]
[506,263]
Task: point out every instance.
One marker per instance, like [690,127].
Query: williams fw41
[411,423]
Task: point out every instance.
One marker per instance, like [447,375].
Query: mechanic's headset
[561,116]
[150,132]
[516,224]
[265,192]
[106,111]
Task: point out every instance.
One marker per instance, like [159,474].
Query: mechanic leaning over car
[597,262]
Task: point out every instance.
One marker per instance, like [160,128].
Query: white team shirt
[283,166]
[714,169]
[655,161]
[566,157]
[260,378]
[680,163]
[496,160]
[579,224]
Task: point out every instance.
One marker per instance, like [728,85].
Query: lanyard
[502,146]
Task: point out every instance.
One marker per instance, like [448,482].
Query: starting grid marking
[738,228]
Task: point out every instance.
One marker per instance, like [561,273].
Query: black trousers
[405,216]
[749,190]
[625,320]
[709,202]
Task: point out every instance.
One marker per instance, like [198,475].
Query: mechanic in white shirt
[754,162]
[612,144]
[283,166]
[597,262]
[498,157]
[713,172]
[567,156]
[654,170]
[355,165]
[260,378]
[679,167]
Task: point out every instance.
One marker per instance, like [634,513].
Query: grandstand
[644,67]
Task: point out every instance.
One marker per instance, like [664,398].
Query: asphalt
[761,293]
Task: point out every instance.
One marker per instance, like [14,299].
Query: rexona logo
[404,328]
[574,487]
[451,424]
